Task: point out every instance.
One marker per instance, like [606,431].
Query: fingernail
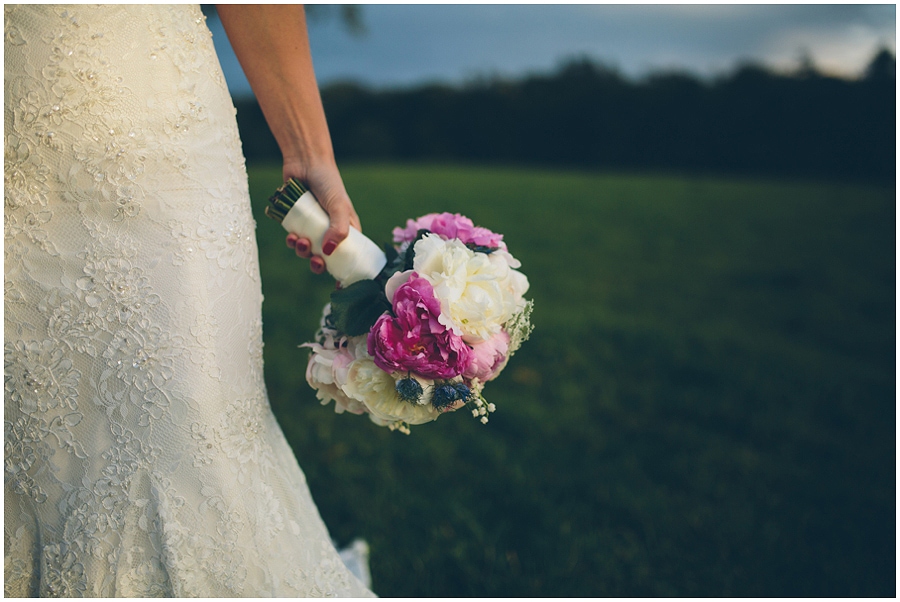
[329,247]
[302,247]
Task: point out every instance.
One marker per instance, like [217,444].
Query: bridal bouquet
[417,331]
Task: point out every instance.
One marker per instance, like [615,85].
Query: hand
[325,182]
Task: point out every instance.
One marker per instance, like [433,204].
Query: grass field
[706,406]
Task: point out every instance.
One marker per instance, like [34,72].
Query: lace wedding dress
[141,455]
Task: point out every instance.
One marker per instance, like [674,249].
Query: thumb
[336,233]
[339,215]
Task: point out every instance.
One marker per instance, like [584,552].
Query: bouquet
[416,330]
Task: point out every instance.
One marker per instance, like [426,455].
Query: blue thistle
[444,395]
[462,391]
[409,389]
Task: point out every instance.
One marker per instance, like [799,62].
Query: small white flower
[484,420]
[491,407]
[475,413]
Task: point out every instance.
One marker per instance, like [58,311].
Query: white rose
[372,386]
[478,292]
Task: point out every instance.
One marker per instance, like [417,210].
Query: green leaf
[410,252]
[355,309]
[393,265]
[391,253]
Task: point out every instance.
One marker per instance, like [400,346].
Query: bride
[141,455]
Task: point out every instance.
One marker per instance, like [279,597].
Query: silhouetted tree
[883,67]
[588,115]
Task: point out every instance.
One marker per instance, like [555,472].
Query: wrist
[306,166]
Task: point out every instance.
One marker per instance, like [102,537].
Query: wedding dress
[141,455]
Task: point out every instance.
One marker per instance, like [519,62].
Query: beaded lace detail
[141,455]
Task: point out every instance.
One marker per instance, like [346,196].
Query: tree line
[753,121]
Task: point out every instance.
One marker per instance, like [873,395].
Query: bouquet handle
[356,258]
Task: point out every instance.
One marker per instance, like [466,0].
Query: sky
[409,44]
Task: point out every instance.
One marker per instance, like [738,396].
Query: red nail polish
[303,248]
[329,247]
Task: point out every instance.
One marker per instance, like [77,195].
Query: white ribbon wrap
[356,258]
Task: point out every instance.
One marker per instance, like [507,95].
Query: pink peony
[488,357]
[448,226]
[412,339]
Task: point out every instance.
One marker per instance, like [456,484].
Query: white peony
[372,386]
[478,292]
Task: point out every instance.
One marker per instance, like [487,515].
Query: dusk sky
[408,44]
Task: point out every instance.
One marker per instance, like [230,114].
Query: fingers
[302,247]
[317,264]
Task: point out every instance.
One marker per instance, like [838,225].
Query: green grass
[706,406]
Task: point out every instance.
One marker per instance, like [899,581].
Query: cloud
[408,44]
[711,38]
[839,49]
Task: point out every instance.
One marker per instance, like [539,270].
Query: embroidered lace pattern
[141,456]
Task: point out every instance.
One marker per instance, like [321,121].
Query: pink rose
[448,226]
[412,339]
[488,357]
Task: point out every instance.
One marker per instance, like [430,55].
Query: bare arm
[272,45]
